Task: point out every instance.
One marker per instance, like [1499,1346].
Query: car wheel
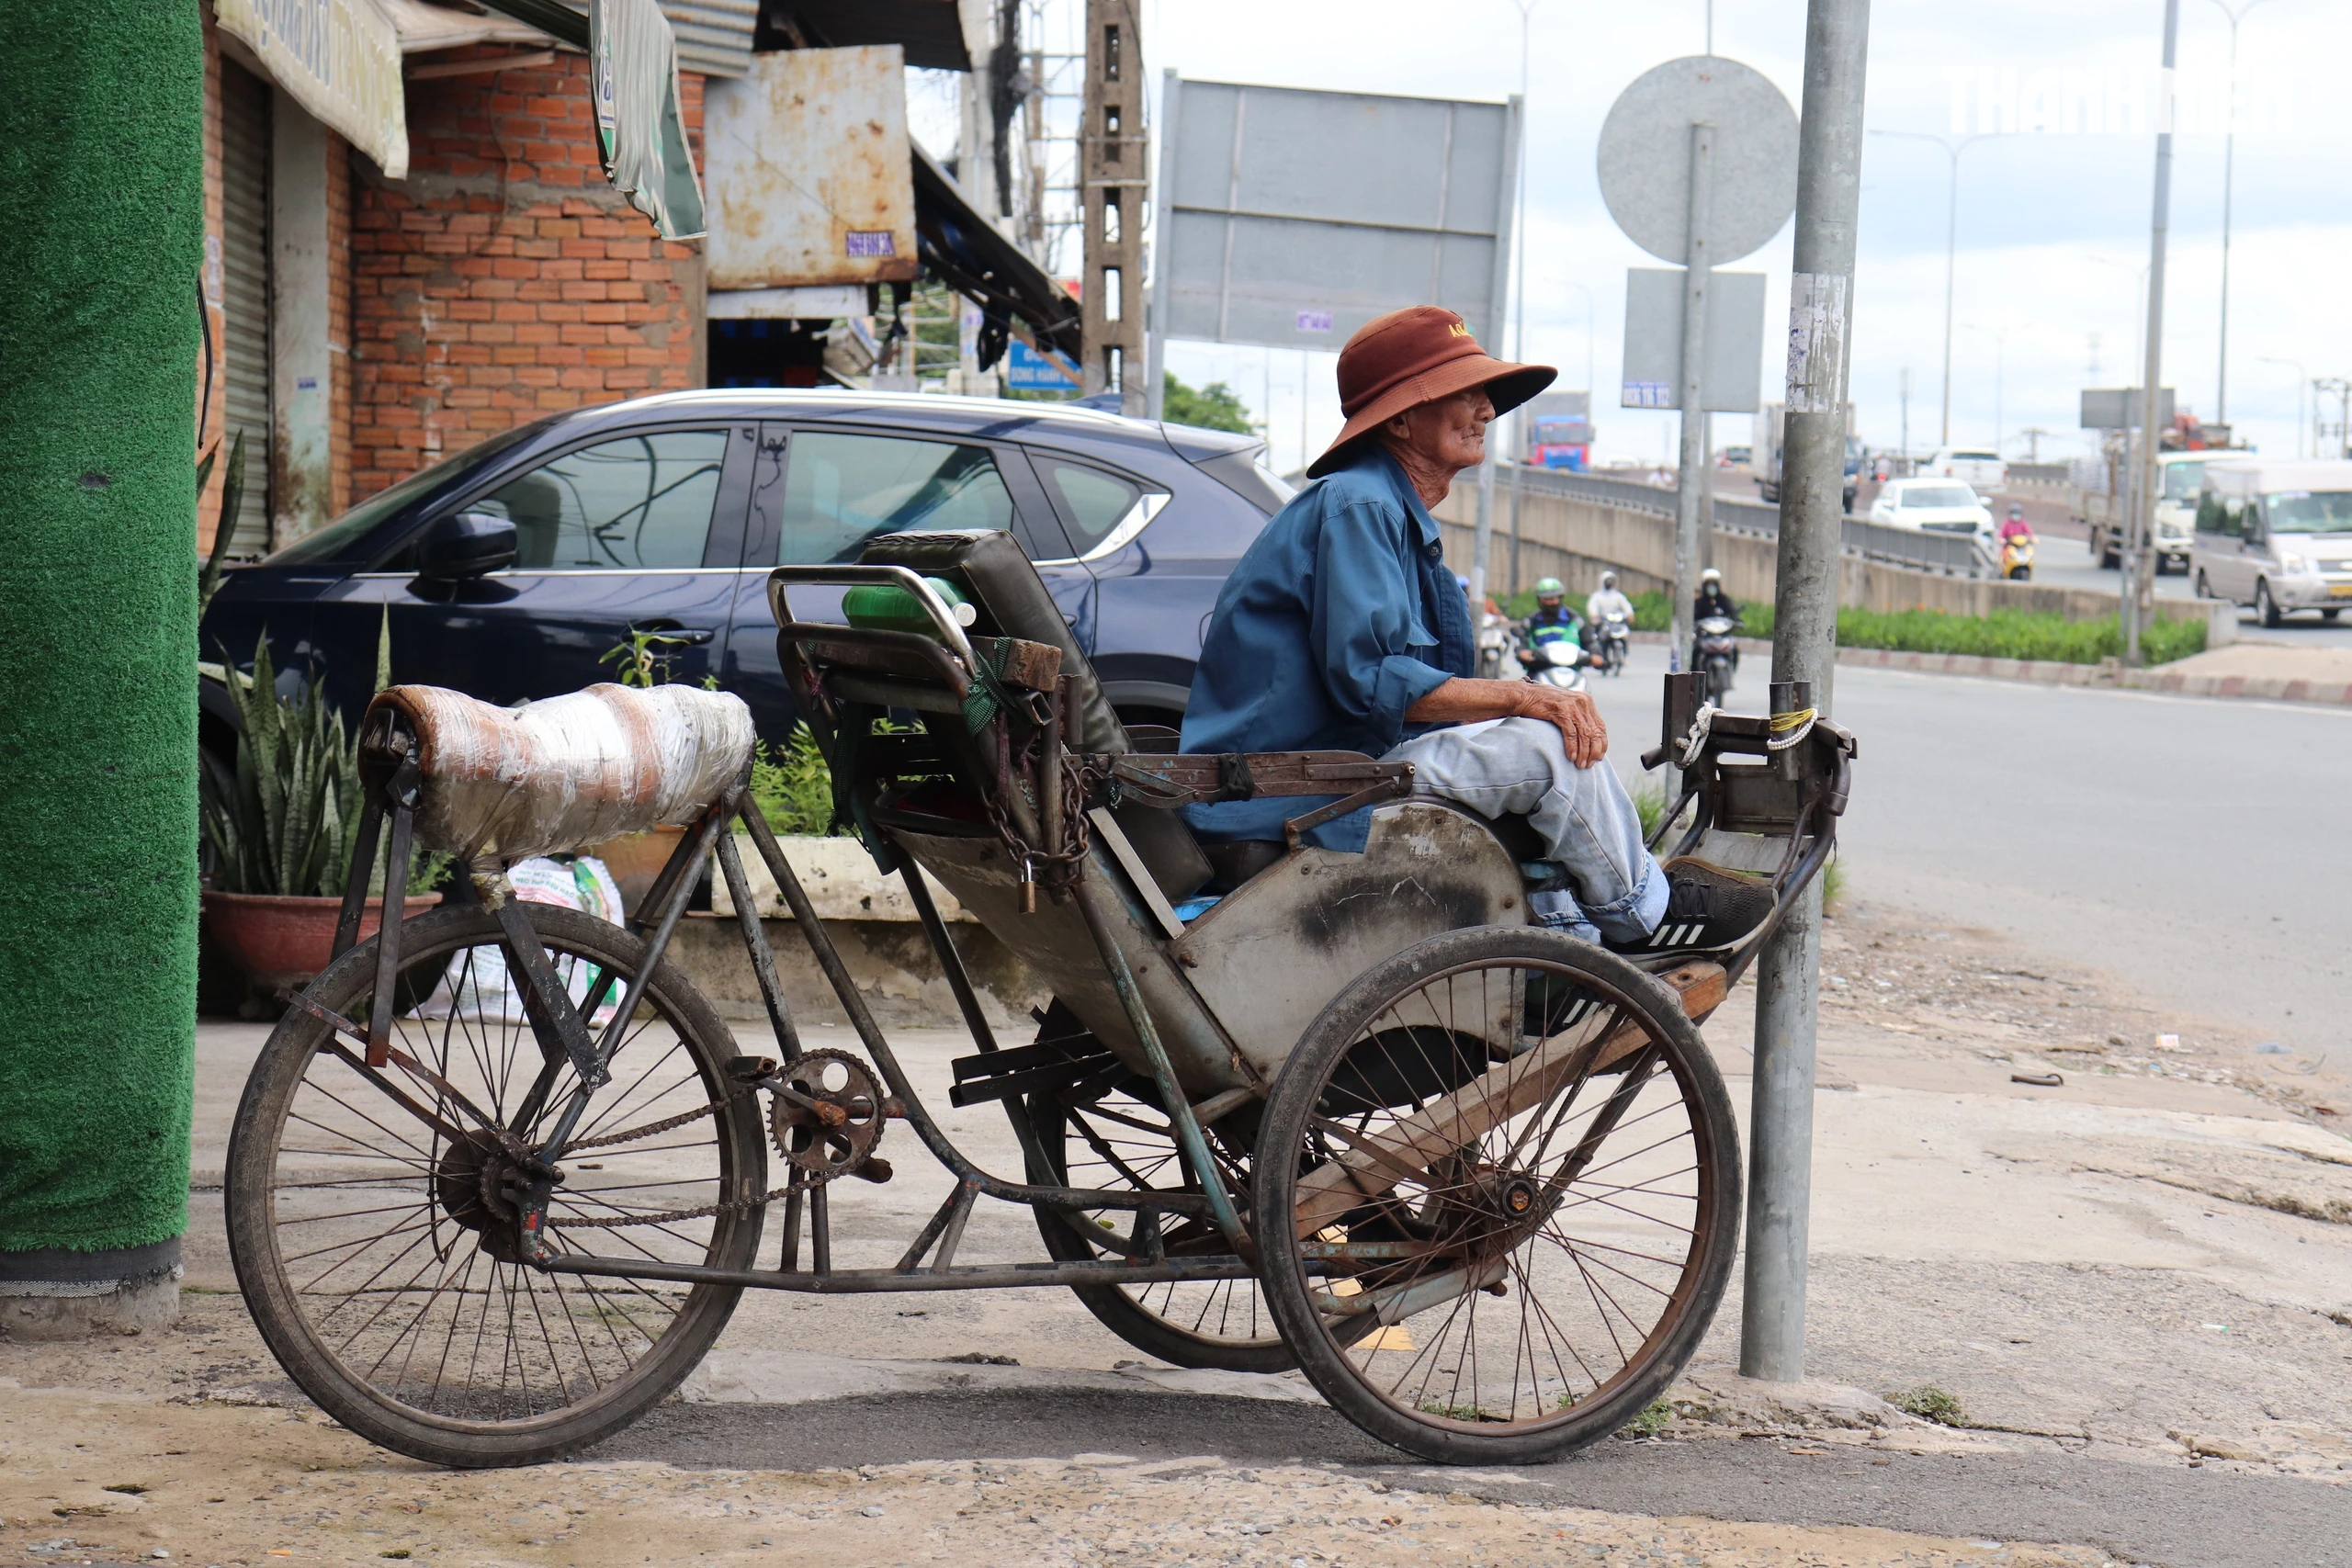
[2330,613]
[2266,608]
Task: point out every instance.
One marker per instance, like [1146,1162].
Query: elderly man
[1341,629]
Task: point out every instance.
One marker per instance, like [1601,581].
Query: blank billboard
[1290,217]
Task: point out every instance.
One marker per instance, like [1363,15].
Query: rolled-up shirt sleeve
[1369,637]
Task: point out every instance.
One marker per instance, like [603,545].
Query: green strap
[987,693]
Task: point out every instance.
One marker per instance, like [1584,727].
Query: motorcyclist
[1713,601]
[2016,526]
[1551,620]
[1607,600]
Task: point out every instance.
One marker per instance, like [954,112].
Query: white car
[1932,506]
[1982,470]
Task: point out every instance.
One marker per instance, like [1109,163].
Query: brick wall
[504,277]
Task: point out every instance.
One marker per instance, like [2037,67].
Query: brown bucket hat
[1417,355]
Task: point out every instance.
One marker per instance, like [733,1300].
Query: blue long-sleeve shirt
[1336,621]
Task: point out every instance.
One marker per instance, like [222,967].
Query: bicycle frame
[560,1026]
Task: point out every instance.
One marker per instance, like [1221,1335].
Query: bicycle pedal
[875,1170]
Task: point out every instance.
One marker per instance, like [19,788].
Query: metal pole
[1951,251]
[2144,522]
[1692,466]
[2229,182]
[1483,540]
[1771,1333]
[1519,314]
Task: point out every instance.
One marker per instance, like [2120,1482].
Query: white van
[2276,536]
[1983,471]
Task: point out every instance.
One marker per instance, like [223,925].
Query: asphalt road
[2183,843]
[2140,1513]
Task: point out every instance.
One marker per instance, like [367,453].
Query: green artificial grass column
[102,204]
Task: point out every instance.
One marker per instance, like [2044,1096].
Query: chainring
[834,1124]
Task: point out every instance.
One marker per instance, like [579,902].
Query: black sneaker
[1708,909]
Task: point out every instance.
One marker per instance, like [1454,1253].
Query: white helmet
[1711,575]
[1608,579]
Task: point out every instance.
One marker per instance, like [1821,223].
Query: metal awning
[714,36]
[931,31]
[968,253]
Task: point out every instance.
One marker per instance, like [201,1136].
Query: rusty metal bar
[867,1281]
[755,941]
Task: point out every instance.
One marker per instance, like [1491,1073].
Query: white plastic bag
[478,986]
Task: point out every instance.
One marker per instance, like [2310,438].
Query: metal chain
[673,1217]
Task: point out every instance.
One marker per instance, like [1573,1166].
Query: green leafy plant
[641,659]
[1930,1404]
[1652,1421]
[1214,407]
[284,824]
[793,787]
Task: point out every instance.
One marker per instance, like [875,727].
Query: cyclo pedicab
[501,1174]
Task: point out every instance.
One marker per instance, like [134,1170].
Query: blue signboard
[1027,370]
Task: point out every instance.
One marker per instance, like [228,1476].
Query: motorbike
[1494,646]
[1552,657]
[2017,558]
[1611,647]
[1718,655]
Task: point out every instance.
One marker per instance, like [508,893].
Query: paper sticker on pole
[1645,157]
[1818,343]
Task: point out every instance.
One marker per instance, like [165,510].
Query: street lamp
[2302,380]
[1519,305]
[2000,363]
[1952,242]
[2229,173]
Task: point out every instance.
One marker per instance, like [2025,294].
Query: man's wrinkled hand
[1580,723]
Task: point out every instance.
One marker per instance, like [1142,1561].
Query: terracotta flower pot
[279,941]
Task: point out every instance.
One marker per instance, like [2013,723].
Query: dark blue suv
[511,570]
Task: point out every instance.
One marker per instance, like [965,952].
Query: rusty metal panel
[1269,955]
[808,169]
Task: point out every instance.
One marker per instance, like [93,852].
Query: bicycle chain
[673,1217]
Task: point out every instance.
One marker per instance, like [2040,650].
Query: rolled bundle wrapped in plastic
[549,777]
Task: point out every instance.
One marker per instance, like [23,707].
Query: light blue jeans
[1519,767]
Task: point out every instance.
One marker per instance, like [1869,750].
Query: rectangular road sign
[2118,408]
[1027,371]
[1289,218]
[1734,340]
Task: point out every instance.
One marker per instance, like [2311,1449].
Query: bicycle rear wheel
[371,1219]
[1507,1154]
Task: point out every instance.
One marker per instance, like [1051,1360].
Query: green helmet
[1549,588]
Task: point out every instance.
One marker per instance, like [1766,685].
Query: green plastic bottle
[886,606]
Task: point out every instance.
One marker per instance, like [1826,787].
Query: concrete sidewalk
[2266,671]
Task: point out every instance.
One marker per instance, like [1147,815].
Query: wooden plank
[1501,1092]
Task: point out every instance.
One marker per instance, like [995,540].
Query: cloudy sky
[2053,223]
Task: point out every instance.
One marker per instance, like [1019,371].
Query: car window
[1103,510]
[841,490]
[638,502]
[340,537]
[2219,515]
[1977,457]
[1939,495]
[2309,510]
[2181,480]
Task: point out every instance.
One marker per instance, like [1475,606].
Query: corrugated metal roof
[714,36]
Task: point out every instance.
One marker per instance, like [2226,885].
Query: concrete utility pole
[1519,307]
[1829,162]
[1113,186]
[104,209]
[1689,514]
[1482,539]
[2139,561]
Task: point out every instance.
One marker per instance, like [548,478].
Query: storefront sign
[340,60]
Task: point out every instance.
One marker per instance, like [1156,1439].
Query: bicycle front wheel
[371,1212]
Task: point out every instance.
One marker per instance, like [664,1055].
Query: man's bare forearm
[1463,700]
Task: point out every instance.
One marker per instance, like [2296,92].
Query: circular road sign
[1645,157]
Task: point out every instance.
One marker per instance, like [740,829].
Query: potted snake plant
[278,835]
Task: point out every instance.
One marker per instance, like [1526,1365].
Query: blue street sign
[1027,370]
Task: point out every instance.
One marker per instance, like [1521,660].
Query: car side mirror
[466,544]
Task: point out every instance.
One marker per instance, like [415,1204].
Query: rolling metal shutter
[245,294]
